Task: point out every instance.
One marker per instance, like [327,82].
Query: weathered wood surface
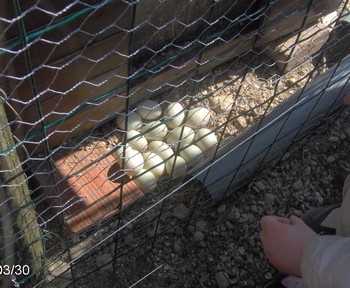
[83,68]
[286,17]
[7,238]
[14,189]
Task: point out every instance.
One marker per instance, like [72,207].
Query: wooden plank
[285,17]
[7,238]
[179,22]
[95,60]
[17,194]
[88,57]
[106,49]
[81,37]
[78,122]
[287,54]
[68,38]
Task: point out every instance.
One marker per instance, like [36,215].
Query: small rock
[268,276]
[292,80]
[191,228]
[166,267]
[347,132]
[104,262]
[201,244]
[129,240]
[221,209]
[307,171]
[221,103]
[130,226]
[241,123]
[297,212]
[241,250]
[150,231]
[244,218]
[229,226]
[222,279]
[333,139]
[177,247]
[198,236]
[297,185]
[254,208]
[260,185]
[181,211]
[234,215]
[203,279]
[285,156]
[178,231]
[114,226]
[269,198]
[200,225]
[319,197]
[330,159]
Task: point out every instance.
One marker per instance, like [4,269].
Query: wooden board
[182,21]
[84,80]
[88,189]
[286,17]
[77,71]
[16,193]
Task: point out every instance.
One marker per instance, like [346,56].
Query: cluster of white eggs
[153,137]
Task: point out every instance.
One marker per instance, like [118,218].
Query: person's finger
[284,220]
[266,221]
[295,220]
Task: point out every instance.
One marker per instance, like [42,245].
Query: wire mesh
[121,112]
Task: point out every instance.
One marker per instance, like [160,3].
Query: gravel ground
[221,246]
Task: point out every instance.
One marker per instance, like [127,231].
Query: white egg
[174,115]
[133,162]
[153,163]
[199,116]
[149,110]
[120,150]
[206,140]
[155,130]
[134,121]
[145,181]
[193,155]
[186,138]
[162,149]
[180,168]
[136,140]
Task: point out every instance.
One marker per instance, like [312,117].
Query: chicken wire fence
[121,119]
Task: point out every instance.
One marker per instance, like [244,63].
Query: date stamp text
[14,270]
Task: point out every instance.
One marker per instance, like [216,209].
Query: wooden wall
[86,56]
